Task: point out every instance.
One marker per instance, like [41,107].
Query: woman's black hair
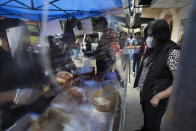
[160,31]
[161,35]
[146,30]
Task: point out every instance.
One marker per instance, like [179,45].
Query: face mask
[149,41]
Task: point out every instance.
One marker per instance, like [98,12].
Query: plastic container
[104,98]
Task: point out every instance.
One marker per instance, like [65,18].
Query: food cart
[77,99]
[81,101]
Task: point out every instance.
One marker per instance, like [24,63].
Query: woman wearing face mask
[156,74]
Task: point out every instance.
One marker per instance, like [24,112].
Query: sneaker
[133,74]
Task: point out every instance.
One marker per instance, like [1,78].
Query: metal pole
[129,71]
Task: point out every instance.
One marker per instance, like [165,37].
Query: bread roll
[52,120]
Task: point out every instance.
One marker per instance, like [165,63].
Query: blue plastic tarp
[33,9]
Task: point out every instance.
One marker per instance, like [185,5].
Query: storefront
[174,14]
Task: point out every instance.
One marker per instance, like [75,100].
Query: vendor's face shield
[18,39]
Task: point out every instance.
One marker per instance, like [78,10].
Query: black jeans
[136,62]
[153,115]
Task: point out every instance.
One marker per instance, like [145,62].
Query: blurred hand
[155,101]
[27,96]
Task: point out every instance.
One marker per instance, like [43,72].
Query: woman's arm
[172,63]
[7,96]
[163,94]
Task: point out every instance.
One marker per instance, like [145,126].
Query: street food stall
[59,91]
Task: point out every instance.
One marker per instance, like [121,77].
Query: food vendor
[105,53]
[11,78]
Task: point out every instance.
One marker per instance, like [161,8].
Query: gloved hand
[27,96]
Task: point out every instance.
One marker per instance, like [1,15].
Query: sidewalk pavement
[133,116]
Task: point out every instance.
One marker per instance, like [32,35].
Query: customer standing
[156,73]
[135,45]
[127,44]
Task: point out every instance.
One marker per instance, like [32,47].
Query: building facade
[175,12]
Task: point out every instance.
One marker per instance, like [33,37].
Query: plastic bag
[104,98]
[113,76]
[86,68]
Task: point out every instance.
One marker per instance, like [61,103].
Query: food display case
[95,106]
